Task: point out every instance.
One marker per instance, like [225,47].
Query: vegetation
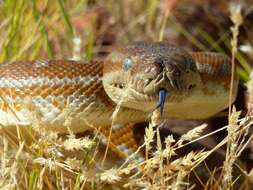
[84,29]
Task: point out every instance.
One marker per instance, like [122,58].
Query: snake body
[82,96]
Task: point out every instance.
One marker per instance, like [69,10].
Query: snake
[134,79]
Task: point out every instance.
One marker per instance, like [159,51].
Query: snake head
[135,74]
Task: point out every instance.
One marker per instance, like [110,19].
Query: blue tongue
[162,97]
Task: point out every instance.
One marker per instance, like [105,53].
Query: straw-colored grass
[33,158]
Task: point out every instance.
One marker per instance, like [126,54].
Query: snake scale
[139,77]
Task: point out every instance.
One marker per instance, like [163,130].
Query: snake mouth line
[133,93]
[138,95]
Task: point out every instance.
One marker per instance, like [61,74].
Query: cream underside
[40,112]
[196,106]
[55,118]
[199,105]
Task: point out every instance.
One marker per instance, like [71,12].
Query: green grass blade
[33,180]
[43,30]
[11,44]
[66,18]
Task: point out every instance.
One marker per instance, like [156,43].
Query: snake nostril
[121,86]
[118,85]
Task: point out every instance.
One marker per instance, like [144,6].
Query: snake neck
[67,93]
[57,94]
[212,93]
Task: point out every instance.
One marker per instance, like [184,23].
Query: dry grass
[32,158]
[49,161]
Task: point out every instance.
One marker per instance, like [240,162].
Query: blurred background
[88,29]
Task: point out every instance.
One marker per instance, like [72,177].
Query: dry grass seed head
[149,137]
[110,176]
[73,143]
[169,151]
[192,134]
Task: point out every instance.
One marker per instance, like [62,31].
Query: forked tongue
[161,102]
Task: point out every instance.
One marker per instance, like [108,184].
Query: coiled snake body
[62,94]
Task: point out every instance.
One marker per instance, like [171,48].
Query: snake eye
[127,63]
